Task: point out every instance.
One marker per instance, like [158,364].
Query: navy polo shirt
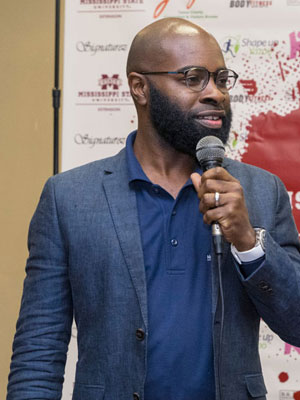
[177,257]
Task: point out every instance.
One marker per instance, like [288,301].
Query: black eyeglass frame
[210,74]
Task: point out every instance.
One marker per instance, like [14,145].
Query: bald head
[153,44]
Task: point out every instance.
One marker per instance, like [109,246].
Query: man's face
[182,116]
[181,129]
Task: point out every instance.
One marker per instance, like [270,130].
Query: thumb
[196,179]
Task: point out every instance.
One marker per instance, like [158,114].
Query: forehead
[196,49]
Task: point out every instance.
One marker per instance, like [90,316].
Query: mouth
[211,119]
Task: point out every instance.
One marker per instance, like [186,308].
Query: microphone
[210,152]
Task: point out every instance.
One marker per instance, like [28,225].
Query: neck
[162,164]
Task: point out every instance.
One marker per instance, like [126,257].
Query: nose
[212,94]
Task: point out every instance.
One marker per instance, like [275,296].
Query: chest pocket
[256,386]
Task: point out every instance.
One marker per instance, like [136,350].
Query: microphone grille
[210,148]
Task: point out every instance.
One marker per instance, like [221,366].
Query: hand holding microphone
[221,196]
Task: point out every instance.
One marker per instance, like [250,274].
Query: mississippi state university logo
[109,90]
[113,82]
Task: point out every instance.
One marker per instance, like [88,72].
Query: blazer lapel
[123,208]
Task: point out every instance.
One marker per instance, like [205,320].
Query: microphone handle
[215,227]
[217,237]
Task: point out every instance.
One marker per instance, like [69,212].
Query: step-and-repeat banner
[260,40]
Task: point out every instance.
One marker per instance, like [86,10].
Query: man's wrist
[253,254]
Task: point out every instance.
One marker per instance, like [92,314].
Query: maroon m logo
[114,82]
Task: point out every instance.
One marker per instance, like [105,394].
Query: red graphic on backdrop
[294,91]
[273,144]
[249,85]
[288,347]
[295,44]
[283,377]
[297,395]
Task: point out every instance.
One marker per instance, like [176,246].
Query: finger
[196,179]
[212,215]
[217,214]
[208,201]
[213,185]
[230,208]
[218,173]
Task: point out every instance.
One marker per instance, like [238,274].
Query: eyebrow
[197,66]
[187,67]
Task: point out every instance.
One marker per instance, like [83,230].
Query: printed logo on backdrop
[109,97]
[232,46]
[250,3]
[189,11]
[293,2]
[88,140]
[111,8]
[111,92]
[250,96]
[113,82]
[90,48]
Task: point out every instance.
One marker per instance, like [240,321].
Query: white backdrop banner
[260,40]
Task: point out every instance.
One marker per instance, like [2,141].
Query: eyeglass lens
[197,79]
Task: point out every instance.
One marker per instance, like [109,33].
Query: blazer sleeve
[274,287]
[44,324]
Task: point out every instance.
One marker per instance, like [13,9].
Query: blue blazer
[86,262]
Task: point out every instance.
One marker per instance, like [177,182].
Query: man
[121,245]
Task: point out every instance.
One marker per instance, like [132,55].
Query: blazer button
[140,334]
[265,287]
[136,396]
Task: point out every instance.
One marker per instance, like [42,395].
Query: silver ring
[217,198]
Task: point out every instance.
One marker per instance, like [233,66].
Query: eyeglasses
[197,78]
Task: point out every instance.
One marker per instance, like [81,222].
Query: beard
[180,129]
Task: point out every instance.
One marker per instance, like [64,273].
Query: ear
[138,87]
